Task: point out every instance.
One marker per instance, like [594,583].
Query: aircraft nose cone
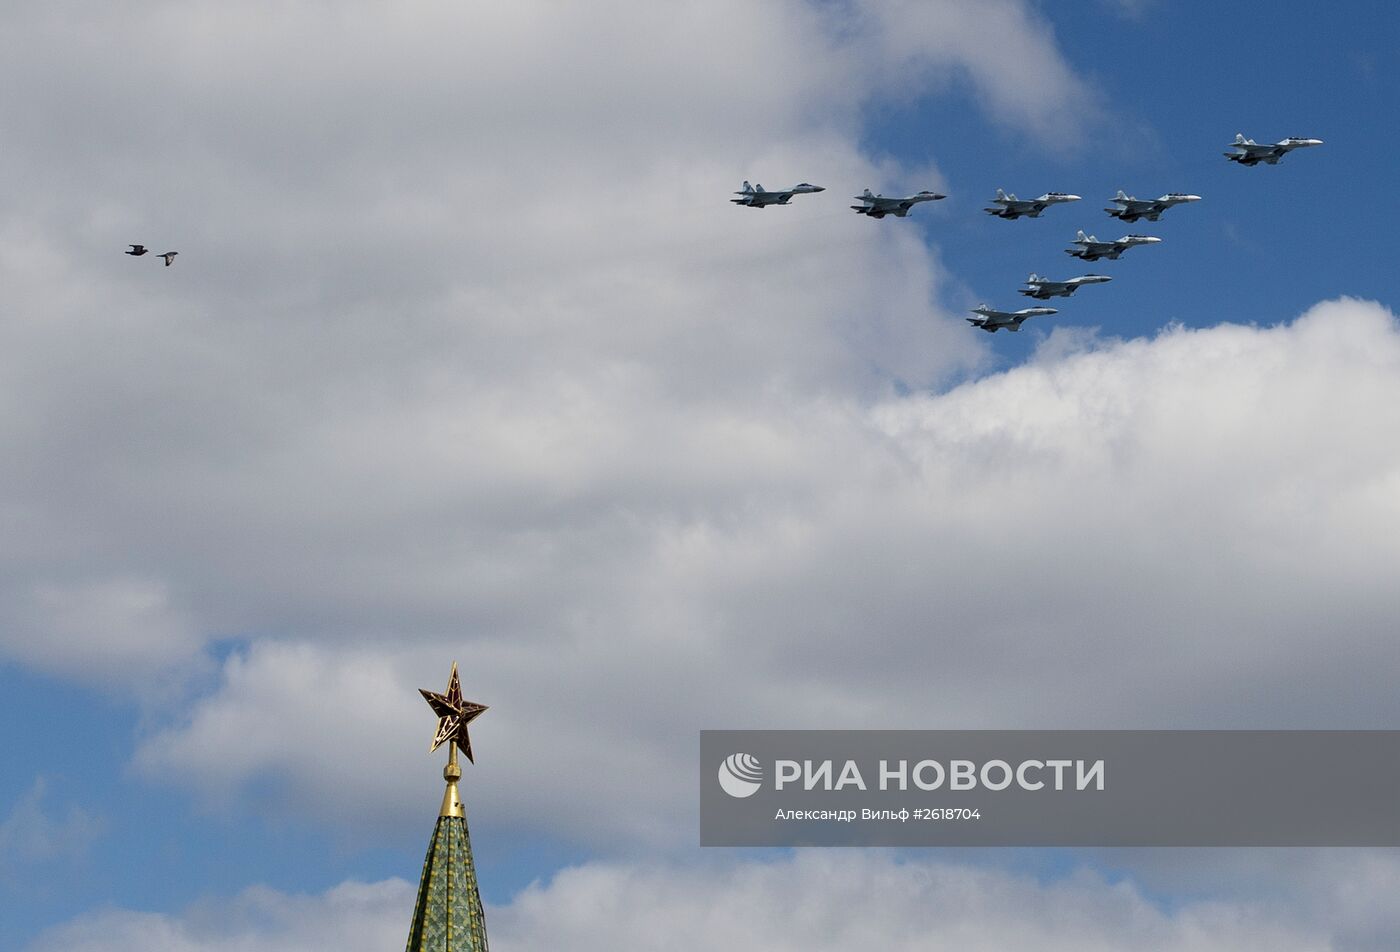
[1071,198]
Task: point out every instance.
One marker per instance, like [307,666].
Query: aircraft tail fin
[1001,196]
[747,187]
[1122,196]
[1081,236]
[1240,139]
[1033,278]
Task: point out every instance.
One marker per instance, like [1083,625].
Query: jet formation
[1130,209]
[1249,152]
[1124,207]
[1011,208]
[1091,249]
[992,320]
[878,206]
[1043,289]
[759,197]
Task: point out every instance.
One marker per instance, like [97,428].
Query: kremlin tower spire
[448,915]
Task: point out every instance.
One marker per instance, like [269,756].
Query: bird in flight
[169,257]
[136,250]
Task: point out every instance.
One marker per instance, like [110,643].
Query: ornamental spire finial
[454,714]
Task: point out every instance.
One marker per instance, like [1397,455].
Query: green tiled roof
[448,916]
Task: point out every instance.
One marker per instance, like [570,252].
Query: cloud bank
[1188,531]
[813,901]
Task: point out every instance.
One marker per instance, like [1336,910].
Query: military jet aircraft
[1249,152]
[878,206]
[1010,207]
[1091,249]
[761,198]
[1130,209]
[1044,289]
[992,321]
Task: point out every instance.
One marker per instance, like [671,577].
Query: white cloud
[843,900]
[112,628]
[351,916]
[1193,530]
[815,901]
[1002,48]
[33,833]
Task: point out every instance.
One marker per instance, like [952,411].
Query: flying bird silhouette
[169,257]
[136,250]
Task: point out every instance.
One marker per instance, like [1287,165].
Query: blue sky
[1176,82]
[383,415]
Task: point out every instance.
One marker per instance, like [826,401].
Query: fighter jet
[1043,289]
[1249,152]
[1091,249]
[992,321]
[1130,209]
[878,206]
[1010,207]
[761,198]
